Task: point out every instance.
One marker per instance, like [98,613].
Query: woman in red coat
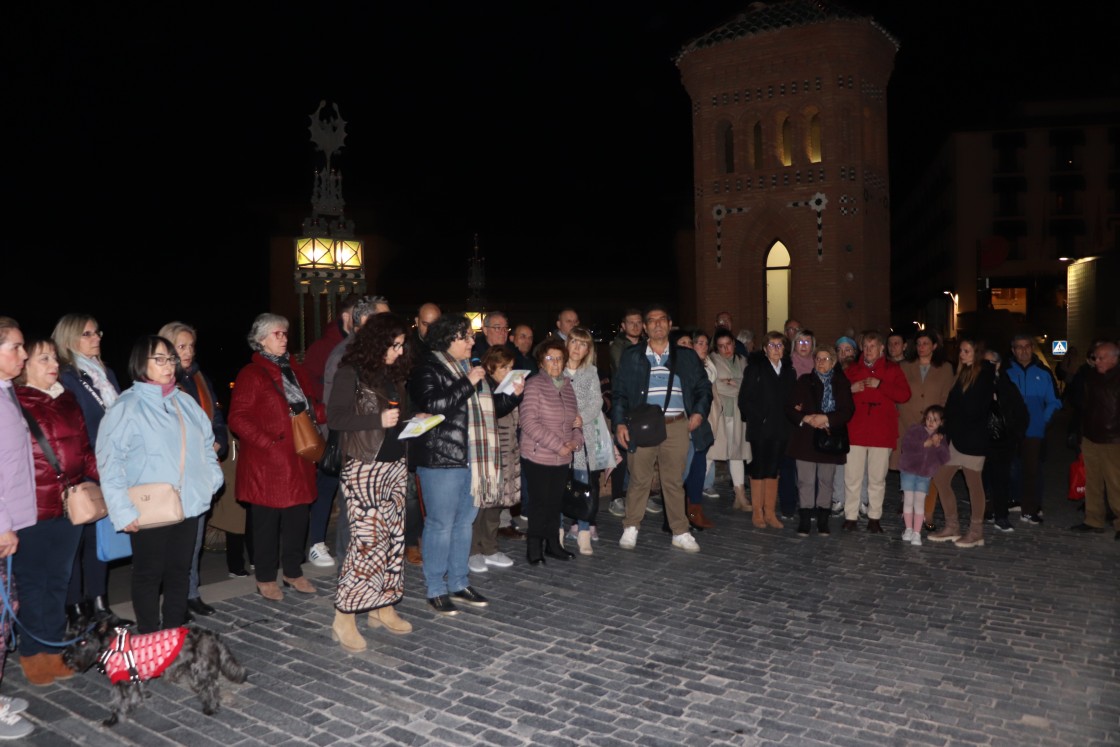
[47,548]
[277,483]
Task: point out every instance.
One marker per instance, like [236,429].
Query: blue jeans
[326,486]
[41,570]
[448,528]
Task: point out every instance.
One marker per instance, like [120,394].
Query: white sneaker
[594,534]
[907,534]
[498,560]
[573,533]
[685,542]
[14,705]
[12,726]
[520,522]
[710,493]
[863,510]
[618,507]
[320,556]
[916,539]
[629,538]
[477,564]
[653,507]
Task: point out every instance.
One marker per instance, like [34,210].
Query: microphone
[477,362]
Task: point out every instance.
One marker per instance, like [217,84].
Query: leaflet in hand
[418,425]
[506,387]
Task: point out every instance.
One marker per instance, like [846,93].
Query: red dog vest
[141,657]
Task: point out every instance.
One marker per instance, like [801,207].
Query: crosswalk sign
[1059,347]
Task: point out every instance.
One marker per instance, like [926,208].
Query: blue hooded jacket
[1040,393]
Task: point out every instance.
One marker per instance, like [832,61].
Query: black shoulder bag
[646,422]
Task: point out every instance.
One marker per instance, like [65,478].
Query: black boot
[805,521]
[823,515]
[553,549]
[75,619]
[534,547]
[101,611]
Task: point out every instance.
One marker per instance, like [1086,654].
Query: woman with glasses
[767,383]
[551,433]
[366,401]
[83,374]
[191,380]
[459,461]
[821,399]
[155,433]
[276,482]
[47,548]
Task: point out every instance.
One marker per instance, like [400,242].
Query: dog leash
[6,595]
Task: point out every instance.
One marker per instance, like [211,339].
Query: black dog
[129,660]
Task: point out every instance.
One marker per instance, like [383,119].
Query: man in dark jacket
[1100,439]
[672,378]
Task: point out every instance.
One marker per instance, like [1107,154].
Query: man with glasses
[644,377]
[1040,393]
[495,332]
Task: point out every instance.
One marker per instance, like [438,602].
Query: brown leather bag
[307,437]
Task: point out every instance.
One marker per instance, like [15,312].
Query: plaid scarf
[482,438]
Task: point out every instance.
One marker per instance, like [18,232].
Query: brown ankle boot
[696,516]
[388,618]
[35,669]
[55,667]
[974,538]
[345,631]
[741,502]
[949,533]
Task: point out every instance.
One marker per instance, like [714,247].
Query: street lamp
[956,299]
[328,259]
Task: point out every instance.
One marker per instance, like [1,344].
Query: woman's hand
[476,374]
[518,387]
[390,418]
[578,422]
[565,450]
[133,527]
[9,543]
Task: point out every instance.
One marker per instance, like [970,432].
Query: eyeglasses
[824,359]
[280,334]
[93,333]
[775,345]
[804,342]
[497,326]
[163,360]
[398,346]
[551,358]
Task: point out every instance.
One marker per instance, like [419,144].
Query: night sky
[154,151]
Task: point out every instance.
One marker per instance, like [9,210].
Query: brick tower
[789,113]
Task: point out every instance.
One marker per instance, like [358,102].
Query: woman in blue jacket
[156,433]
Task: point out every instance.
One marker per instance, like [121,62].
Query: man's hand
[694,421]
[622,434]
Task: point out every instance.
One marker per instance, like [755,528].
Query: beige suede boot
[741,502]
[345,631]
[584,541]
[388,618]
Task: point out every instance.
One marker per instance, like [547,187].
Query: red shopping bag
[1077,479]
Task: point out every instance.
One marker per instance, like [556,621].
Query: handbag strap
[37,432]
[279,390]
[182,443]
[669,386]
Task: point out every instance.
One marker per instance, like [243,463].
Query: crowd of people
[448,440]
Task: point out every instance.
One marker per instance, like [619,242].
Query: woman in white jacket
[155,433]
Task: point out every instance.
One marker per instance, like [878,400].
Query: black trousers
[278,538]
[161,561]
[90,576]
[546,485]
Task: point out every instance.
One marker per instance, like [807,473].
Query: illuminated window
[785,146]
[778,283]
[815,138]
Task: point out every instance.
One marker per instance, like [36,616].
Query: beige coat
[728,445]
[933,391]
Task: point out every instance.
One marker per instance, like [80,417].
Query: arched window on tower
[785,145]
[726,143]
[815,138]
[756,151]
[778,284]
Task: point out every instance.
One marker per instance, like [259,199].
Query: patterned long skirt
[371,573]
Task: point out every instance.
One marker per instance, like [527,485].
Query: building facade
[791,186]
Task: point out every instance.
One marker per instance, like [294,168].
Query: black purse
[577,502]
[646,422]
[331,462]
[997,423]
[831,440]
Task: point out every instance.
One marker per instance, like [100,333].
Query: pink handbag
[159,503]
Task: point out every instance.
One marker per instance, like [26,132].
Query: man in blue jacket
[672,378]
[1040,393]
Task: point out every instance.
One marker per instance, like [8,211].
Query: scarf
[204,399]
[54,392]
[483,452]
[95,369]
[297,400]
[828,401]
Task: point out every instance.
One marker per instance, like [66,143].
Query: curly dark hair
[445,330]
[371,342]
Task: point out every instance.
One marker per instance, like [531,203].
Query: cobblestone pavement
[761,638]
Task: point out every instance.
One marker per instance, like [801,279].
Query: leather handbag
[831,440]
[159,503]
[82,503]
[997,423]
[577,502]
[307,437]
